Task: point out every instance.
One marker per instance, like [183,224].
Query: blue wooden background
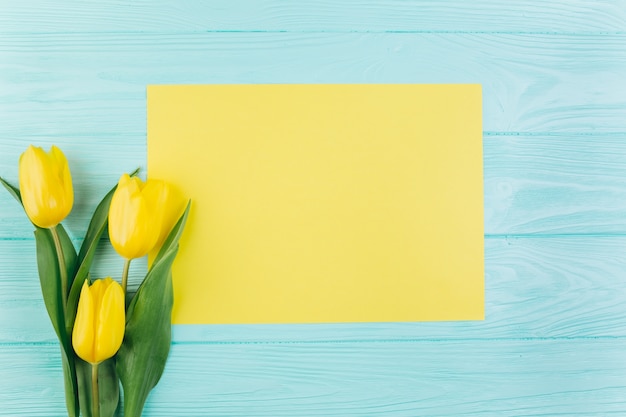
[74,73]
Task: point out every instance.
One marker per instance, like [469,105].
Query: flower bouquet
[108,335]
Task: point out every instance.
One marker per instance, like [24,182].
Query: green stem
[95,395]
[62,268]
[125,274]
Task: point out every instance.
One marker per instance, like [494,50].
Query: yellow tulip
[135,216]
[142,215]
[100,321]
[45,185]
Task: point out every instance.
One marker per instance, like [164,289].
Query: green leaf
[49,277]
[69,254]
[50,281]
[49,272]
[142,357]
[97,226]
[108,387]
[15,192]
[83,374]
[70,384]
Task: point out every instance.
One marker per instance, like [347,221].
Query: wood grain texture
[555,184]
[503,378]
[580,281]
[36,16]
[79,85]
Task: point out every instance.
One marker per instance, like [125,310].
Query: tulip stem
[95,394]
[62,269]
[125,274]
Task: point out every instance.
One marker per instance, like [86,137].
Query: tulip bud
[142,215]
[135,216]
[100,321]
[45,186]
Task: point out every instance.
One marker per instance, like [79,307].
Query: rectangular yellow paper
[324,203]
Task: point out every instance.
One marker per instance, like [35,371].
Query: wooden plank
[484,378]
[547,184]
[535,288]
[555,184]
[34,16]
[77,85]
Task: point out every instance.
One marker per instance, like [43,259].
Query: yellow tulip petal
[31,175]
[64,175]
[156,195]
[133,228]
[173,206]
[97,289]
[83,332]
[57,162]
[111,322]
[121,215]
[130,185]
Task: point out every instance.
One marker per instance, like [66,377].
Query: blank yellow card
[324,203]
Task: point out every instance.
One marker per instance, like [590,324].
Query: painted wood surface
[554,82]
[579,16]
[483,378]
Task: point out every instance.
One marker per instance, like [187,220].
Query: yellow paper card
[324,203]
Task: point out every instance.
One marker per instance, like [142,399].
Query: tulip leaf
[108,387]
[96,229]
[15,192]
[141,359]
[69,254]
[51,290]
[83,374]
[68,357]
[70,384]
[50,281]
